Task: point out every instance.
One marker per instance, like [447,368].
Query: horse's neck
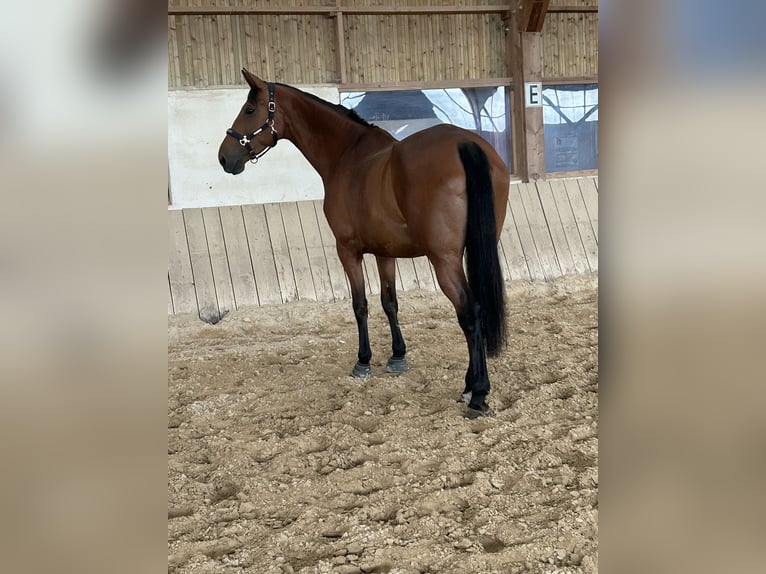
[319,132]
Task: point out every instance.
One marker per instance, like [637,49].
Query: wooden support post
[532,44]
[515,71]
[525,64]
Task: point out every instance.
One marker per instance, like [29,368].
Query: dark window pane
[570,120]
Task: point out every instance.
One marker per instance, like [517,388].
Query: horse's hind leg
[352,264]
[454,284]
[387,270]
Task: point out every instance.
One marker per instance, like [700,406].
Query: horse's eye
[249,110]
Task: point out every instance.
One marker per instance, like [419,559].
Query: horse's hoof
[465,397]
[361,371]
[483,411]
[395,365]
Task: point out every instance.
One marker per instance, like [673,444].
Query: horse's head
[254,130]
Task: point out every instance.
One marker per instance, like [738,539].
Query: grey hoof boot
[483,410]
[395,365]
[361,371]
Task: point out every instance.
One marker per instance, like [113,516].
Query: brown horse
[439,193]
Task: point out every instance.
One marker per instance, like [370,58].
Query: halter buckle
[244,141]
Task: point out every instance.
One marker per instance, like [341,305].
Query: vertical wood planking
[219,262]
[223,258]
[264,242]
[315,251]
[540,232]
[179,266]
[583,223]
[365,275]
[226,48]
[246,24]
[434,276]
[338,279]
[568,223]
[183,38]
[570,45]
[197,48]
[590,196]
[296,244]
[512,249]
[504,269]
[170,297]
[371,268]
[236,46]
[212,51]
[174,73]
[560,244]
[238,255]
[406,273]
[432,71]
[525,233]
[423,272]
[200,261]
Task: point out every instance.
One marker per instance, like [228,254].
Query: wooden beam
[515,59]
[575,173]
[531,15]
[524,13]
[423,85]
[568,9]
[332,10]
[372,10]
[537,16]
[571,80]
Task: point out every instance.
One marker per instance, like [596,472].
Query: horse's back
[432,178]
[433,154]
[444,138]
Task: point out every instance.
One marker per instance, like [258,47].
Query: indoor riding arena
[279,461]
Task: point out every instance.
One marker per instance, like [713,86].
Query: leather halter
[244,140]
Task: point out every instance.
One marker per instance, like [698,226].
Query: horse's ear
[252,80]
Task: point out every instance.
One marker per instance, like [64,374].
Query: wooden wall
[224,258]
[209,50]
[381,48]
[570,45]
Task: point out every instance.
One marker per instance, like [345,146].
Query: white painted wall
[197,123]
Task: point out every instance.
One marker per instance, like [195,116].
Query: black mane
[337,108]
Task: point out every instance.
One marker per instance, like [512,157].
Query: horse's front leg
[352,264]
[387,271]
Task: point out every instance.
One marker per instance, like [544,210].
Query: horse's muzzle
[232,167]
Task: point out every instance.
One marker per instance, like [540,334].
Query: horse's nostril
[222,161]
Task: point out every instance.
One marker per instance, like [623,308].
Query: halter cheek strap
[244,140]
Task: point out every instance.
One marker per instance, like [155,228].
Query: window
[570,121]
[482,110]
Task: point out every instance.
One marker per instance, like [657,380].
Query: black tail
[484,275]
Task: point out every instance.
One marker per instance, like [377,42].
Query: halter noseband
[244,140]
